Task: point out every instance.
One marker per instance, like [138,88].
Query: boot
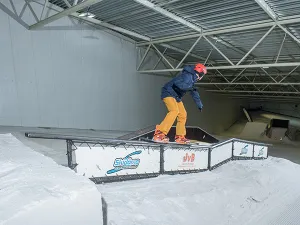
[180,139]
[160,137]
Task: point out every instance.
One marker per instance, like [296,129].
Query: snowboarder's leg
[163,129]
[180,127]
[181,120]
[171,116]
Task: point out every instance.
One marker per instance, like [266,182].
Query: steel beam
[67,3]
[66,12]
[257,43]
[223,76]
[292,64]
[158,61]
[167,3]
[115,28]
[288,74]
[44,7]
[268,74]
[163,56]
[169,14]
[13,7]
[262,83]
[110,26]
[250,82]
[189,51]
[264,88]
[225,57]
[245,91]
[178,19]
[184,52]
[280,48]
[208,57]
[240,73]
[165,64]
[267,9]
[295,89]
[99,23]
[261,99]
[289,33]
[143,58]
[32,11]
[274,17]
[220,40]
[13,15]
[228,29]
[263,96]
[22,11]
[264,59]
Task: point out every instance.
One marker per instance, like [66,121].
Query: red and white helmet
[200,68]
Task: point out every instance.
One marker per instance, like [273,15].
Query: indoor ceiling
[251,47]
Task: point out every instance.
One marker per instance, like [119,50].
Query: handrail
[96,140]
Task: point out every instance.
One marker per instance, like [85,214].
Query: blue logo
[244,150]
[125,163]
[261,151]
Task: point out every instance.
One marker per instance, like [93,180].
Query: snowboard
[169,143]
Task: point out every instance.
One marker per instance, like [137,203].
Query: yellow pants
[176,110]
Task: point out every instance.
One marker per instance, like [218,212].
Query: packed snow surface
[35,190]
[238,193]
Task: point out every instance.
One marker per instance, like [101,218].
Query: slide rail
[112,160]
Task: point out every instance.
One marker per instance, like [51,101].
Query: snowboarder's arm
[196,97]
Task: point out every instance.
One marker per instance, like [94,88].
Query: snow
[240,192]
[36,190]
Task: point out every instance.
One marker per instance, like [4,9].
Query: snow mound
[238,193]
[35,190]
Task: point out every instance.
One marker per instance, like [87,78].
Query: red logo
[189,157]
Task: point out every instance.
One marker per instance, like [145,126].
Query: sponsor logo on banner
[188,160]
[261,151]
[125,163]
[244,150]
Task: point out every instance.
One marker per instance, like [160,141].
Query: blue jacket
[181,84]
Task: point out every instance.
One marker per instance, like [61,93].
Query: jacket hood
[190,69]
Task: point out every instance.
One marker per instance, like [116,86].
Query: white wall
[74,76]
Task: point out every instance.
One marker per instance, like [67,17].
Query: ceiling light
[88,14]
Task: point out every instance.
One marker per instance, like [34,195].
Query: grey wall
[74,76]
[287,109]
[218,114]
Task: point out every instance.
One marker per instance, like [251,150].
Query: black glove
[200,109]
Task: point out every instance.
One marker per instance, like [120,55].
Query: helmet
[200,68]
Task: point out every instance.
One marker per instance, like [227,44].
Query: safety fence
[119,160]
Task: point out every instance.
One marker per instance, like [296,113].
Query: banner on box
[242,149]
[175,160]
[99,162]
[260,151]
[221,153]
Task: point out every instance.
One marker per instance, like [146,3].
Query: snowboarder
[172,93]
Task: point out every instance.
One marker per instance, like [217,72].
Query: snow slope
[238,193]
[35,190]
